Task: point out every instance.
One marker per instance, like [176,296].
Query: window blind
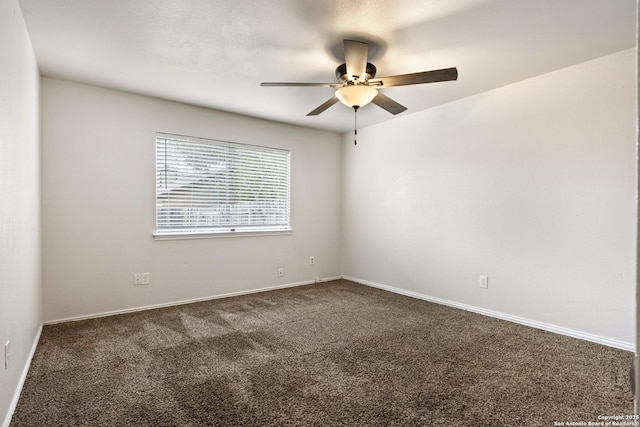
[210,186]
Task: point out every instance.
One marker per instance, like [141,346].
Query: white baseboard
[23,378]
[188,301]
[516,319]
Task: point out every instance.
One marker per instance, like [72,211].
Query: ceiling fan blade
[388,104]
[324,106]
[444,75]
[355,58]
[270,84]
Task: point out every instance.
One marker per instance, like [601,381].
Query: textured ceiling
[215,53]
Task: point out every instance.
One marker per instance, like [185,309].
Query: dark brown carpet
[335,353]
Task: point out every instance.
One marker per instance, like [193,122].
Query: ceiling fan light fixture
[356,85]
[357,95]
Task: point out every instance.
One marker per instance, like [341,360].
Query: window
[205,186]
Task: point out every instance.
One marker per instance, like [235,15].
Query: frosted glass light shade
[356,95]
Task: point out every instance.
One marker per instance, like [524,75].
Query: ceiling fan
[357,85]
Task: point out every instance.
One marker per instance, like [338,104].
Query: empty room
[297,212]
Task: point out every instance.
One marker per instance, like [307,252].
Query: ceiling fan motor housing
[341,72]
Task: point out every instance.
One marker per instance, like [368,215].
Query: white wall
[20,299]
[532,184]
[98,149]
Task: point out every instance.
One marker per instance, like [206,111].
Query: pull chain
[355,124]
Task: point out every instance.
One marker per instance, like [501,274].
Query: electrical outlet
[483,282]
[312,260]
[141,279]
[7,355]
[281,272]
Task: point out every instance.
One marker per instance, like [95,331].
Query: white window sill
[220,234]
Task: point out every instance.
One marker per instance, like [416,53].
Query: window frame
[162,232]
